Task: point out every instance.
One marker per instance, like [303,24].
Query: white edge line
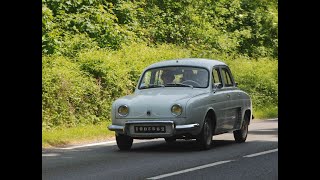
[88,145]
[50,154]
[272,119]
[261,153]
[189,170]
[100,143]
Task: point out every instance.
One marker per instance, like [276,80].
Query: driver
[167,77]
[188,75]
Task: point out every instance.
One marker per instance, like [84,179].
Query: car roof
[199,62]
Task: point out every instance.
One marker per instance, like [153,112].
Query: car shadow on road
[189,146]
[184,146]
[178,146]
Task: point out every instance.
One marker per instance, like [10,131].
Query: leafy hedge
[259,78]
[95,50]
[69,96]
[80,90]
[248,27]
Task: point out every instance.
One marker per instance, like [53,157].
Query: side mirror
[217,86]
[236,84]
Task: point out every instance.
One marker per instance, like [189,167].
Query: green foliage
[69,97]
[80,90]
[248,27]
[259,78]
[64,23]
[95,50]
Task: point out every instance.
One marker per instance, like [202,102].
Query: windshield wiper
[179,85]
[152,86]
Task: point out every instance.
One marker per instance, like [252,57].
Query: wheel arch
[211,113]
[248,113]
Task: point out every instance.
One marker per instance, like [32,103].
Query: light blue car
[182,99]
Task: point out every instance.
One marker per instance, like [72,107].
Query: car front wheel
[205,138]
[124,142]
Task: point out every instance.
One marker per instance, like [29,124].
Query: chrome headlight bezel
[176,109]
[121,107]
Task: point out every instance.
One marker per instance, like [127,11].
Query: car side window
[216,78]
[226,77]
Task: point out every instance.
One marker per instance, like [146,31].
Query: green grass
[268,111]
[76,135]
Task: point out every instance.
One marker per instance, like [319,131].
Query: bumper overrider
[171,128]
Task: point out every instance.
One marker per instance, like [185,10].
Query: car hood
[158,101]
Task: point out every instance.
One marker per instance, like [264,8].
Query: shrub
[69,97]
[80,90]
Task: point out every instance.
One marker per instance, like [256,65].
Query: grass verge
[266,112]
[76,135]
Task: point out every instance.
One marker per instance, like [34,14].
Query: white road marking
[272,119]
[209,165]
[274,139]
[88,145]
[104,143]
[50,154]
[189,170]
[261,153]
[264,130]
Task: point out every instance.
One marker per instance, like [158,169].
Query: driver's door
[219,101]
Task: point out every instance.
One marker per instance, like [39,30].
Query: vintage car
[187,98]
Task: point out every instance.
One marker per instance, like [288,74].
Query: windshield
[182,76]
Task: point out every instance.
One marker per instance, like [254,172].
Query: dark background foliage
[94,50]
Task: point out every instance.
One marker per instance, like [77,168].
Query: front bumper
[171,128]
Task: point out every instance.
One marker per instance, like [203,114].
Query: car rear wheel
[240,135]
[205,138]
[124,142]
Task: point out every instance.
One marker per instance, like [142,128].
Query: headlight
[123,110]
[176,110]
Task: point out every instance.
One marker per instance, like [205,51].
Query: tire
[170,140]
[124,142]
[205,137]
[240,135]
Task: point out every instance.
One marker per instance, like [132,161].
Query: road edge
[109,140]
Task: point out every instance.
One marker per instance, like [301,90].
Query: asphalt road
[256,159]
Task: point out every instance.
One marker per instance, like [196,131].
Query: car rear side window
[226,77]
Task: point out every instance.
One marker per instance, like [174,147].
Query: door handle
[228,95]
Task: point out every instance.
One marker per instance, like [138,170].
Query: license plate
[149,129]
